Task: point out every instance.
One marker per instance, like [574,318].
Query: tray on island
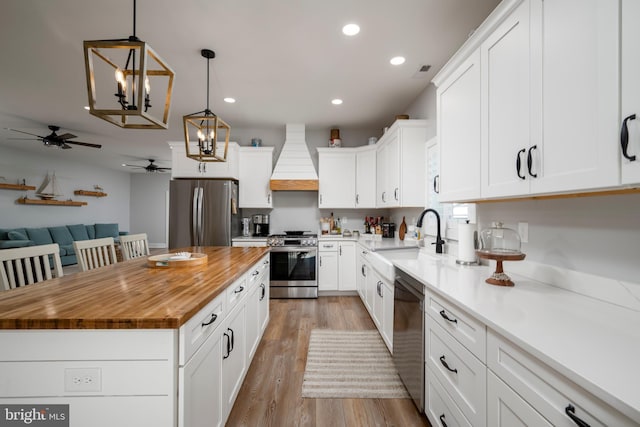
[193,259]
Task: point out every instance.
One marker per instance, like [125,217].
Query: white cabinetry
[458,104]
[337,265]
[255,165]
[234,362]
[184,167]
[506,409]
[366,177]
[257,287]
[337,178]
[400,176]
[630,96]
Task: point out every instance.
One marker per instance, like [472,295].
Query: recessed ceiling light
[336,101]
[351,29]
[124,164]
[397,60]
[86,107]
[230,100]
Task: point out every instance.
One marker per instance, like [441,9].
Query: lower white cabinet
[506,409]
[200,386]
[234,361]
[439,406]
[337,265]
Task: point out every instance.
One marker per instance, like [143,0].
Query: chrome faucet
[439,242]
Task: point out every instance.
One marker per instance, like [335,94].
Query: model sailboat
[49,188]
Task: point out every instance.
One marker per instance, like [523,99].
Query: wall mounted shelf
[90,193]
[5,186]
[25,201]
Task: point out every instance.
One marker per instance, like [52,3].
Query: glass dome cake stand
[500,244]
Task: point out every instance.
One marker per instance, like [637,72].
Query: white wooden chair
[19,265]
[134,246]
[95,253]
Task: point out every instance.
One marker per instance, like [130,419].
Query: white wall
[148,206]
[17,165]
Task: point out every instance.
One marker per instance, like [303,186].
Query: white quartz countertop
[593,343]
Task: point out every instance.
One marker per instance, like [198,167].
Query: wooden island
[132,345]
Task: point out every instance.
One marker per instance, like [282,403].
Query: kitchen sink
[382,261]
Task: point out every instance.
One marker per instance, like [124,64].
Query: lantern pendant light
[205,127]
[120,76]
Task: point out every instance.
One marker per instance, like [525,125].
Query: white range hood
[294,169]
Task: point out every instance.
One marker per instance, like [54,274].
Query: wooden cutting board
[403,229]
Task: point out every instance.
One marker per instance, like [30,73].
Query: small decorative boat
[48,190]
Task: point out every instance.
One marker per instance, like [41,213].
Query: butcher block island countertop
[127,295]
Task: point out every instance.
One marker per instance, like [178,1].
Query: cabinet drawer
[236,292]
[199,327]
[506,409]
[327,246]
[439,407]
[257,272]
[460,372]
[547,391]
[467,330]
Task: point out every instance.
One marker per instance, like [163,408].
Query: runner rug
[350,364]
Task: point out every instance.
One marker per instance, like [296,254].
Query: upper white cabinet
[184,167]
[366,177]
[337,178]
[458,104]
[507,140]
[400,172]
[255,165]
[629,145]
[530,103]
[578,68]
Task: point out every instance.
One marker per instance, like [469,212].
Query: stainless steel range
[294,265]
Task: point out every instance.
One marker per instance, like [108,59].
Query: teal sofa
[63,235]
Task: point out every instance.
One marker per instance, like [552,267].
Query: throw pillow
[16,235]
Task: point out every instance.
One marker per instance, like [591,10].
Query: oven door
[293,272]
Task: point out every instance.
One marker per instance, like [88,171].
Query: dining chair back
[28,265]
[134,246]
[95,253]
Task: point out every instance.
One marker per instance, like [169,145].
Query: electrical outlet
[523,231]
[82,379]
[343,220]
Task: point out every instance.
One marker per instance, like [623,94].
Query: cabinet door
[181,165]
[254,170]
[253,321]
[387,315]
[263,306]
[337,179]
[361,276]
[234,361]
[228,169]
[366,179]
[328,271]
[506,409]
[411,171]
[382,197]
[378,306]
[458,103]
[580,90]
[392,173]
[506,106]
[347,266]
[200,402]
[630,91]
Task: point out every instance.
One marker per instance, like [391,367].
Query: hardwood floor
[271,393]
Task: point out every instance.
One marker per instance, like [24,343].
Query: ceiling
[283,61]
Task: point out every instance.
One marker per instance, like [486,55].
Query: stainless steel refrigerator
[203,212]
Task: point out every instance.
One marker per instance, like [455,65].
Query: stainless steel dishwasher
[408,335]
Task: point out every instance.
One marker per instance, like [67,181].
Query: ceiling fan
[150,168]
[58,141]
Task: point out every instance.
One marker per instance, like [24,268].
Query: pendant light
[121,74]
[207,129]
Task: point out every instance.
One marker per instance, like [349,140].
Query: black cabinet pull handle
[233,345]
[255,273]
[570,411]
[624,138]
[228,346]
[239,289]
[211,320]
[264,291]
[444,314]
[444,363]
[436,182]
[530,161]
[519,163]
[442,421]
[395,194]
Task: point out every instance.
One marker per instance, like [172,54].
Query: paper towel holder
[475,243]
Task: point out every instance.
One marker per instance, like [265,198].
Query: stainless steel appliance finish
[293,266]
[408,335]
[261,225]
[203,212]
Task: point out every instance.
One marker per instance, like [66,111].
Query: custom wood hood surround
[294,169]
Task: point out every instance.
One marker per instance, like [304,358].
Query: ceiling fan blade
[66,136]
[163,169]
[22,139]
[135,166]
[27,133]
[86,144]
[64,146]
